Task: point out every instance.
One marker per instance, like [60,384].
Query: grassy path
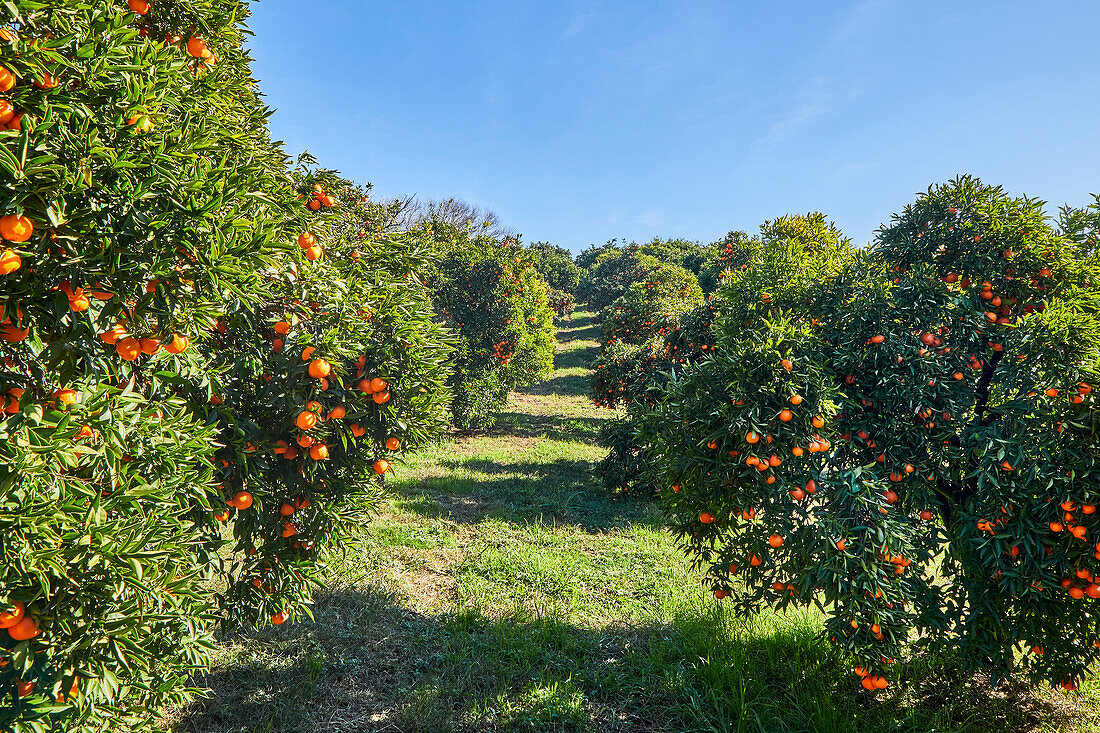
[500,589]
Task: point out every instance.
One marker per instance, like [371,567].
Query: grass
[499,589]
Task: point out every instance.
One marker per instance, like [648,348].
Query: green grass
[500,589]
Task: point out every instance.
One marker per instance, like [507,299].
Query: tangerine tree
[487,290]
[905,436]
[156,249]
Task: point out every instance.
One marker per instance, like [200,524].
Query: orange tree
[152,239]
[487,290]
[906,436]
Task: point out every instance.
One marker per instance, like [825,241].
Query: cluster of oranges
[503,351]
[319,199]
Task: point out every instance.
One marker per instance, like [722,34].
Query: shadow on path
[367,664]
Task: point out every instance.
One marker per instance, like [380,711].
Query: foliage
[650,303]
[555,264]
[561,302]
[906,436]
[488,291]
[732,251]
[154,325]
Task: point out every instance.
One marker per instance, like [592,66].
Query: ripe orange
[786,415]
[241,500]
[314,253]
[307,352]
[752,437]
[149,346]
[16,228]
[378,384]
[306,420]
[393,443]
[197,48]
[357,430]
[24,629]
[9,261]
[878,339]
[319,452]
[319,368]
[381,398]
[6,111]
[282,328]
[141,7]
[23,689]
[337,412]
[796,400]
[787,364]
[67,396]
[279,618]
[289,529]
[305,440]
[775,540]
[7,80]
[381,466]
[128,348]
[178,344]
[818,422]
[14,616]
[306,240]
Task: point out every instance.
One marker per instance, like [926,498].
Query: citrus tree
[170,459]
[487,290]
[905,436]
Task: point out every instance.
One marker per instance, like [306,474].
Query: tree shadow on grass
[368,664]
[552,493]
[555,427]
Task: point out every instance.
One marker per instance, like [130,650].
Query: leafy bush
[155,313]
[905,436]
[555,265]
[562,303]
[489,292]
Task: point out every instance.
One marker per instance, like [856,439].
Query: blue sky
[582,121]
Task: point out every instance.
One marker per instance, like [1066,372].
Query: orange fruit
[16,228]
[7,80]
[314,253]
[6,111]
[197,48]
[337,412]
[289,529]
[319,368]
[752,437]
[775,541]
[796,400]
[305,440]
[706,518]
[393,443]
[282,328]
[306,240]
[279,618]
[786,415]
[381,466]
[381,398]
[141,122]
[149,346]
[24,629]
[307,352]
[787,364]
[128,348]
[818,422]
[241,500]
[67,396]
[14,616]
[357,430]
[9,261]
[319,452]
[178,344]
[23,689]
[378,384]
[141,7]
